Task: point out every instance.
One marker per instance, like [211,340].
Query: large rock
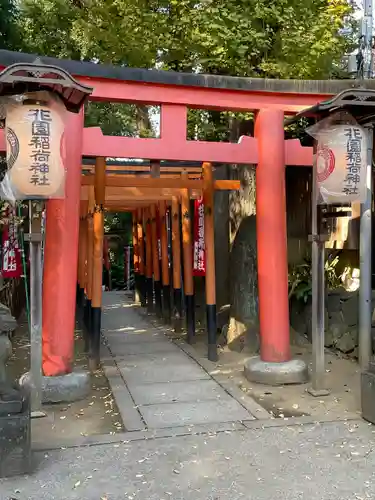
[298,316]
[348,341]
[335,328]
[333,302]
[349,308]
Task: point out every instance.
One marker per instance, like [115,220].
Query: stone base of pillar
[63,388]
[294,371]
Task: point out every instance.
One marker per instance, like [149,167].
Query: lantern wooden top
[19,79]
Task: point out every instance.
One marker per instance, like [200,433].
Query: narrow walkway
[157,385]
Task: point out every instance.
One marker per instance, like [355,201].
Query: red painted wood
[198,97]
[61,260]
[169,148]
[296,154]
[272,238]
[96,144]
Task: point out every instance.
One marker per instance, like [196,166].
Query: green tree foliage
[278,39]
[46,26]
[9,37]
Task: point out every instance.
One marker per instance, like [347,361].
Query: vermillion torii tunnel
[89,195]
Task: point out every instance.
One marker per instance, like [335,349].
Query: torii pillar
[274,366]
[60,272]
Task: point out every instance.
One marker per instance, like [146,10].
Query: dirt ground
[97,414]
[342,379]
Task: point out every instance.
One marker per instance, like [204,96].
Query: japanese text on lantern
[41,144]
[199,267]
[353,160]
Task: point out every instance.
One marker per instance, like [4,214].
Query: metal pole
[365,289]
[35,318]
[318,291]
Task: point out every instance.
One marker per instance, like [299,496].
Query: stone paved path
[156,384]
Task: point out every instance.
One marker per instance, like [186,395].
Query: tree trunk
[243,322]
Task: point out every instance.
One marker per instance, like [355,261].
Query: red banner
[199,266]
[11,255]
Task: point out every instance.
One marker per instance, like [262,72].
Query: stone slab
[171,392]
[179,414]
[130,416]
[160,370]
[156,359]
[129,348]
[135,337]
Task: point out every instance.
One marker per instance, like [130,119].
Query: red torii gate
[175,93]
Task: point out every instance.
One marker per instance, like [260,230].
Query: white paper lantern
[341,161]
[34,135]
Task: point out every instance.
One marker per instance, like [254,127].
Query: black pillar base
[87,325]
[190,318]
[211,332]
[81,298]
[177,310]
[137,293]
[142,289]
[150,295]
[158,304]
[167,304]
[79,306]
[77,294]
[94,355]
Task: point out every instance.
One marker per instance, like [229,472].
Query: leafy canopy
[278,39]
